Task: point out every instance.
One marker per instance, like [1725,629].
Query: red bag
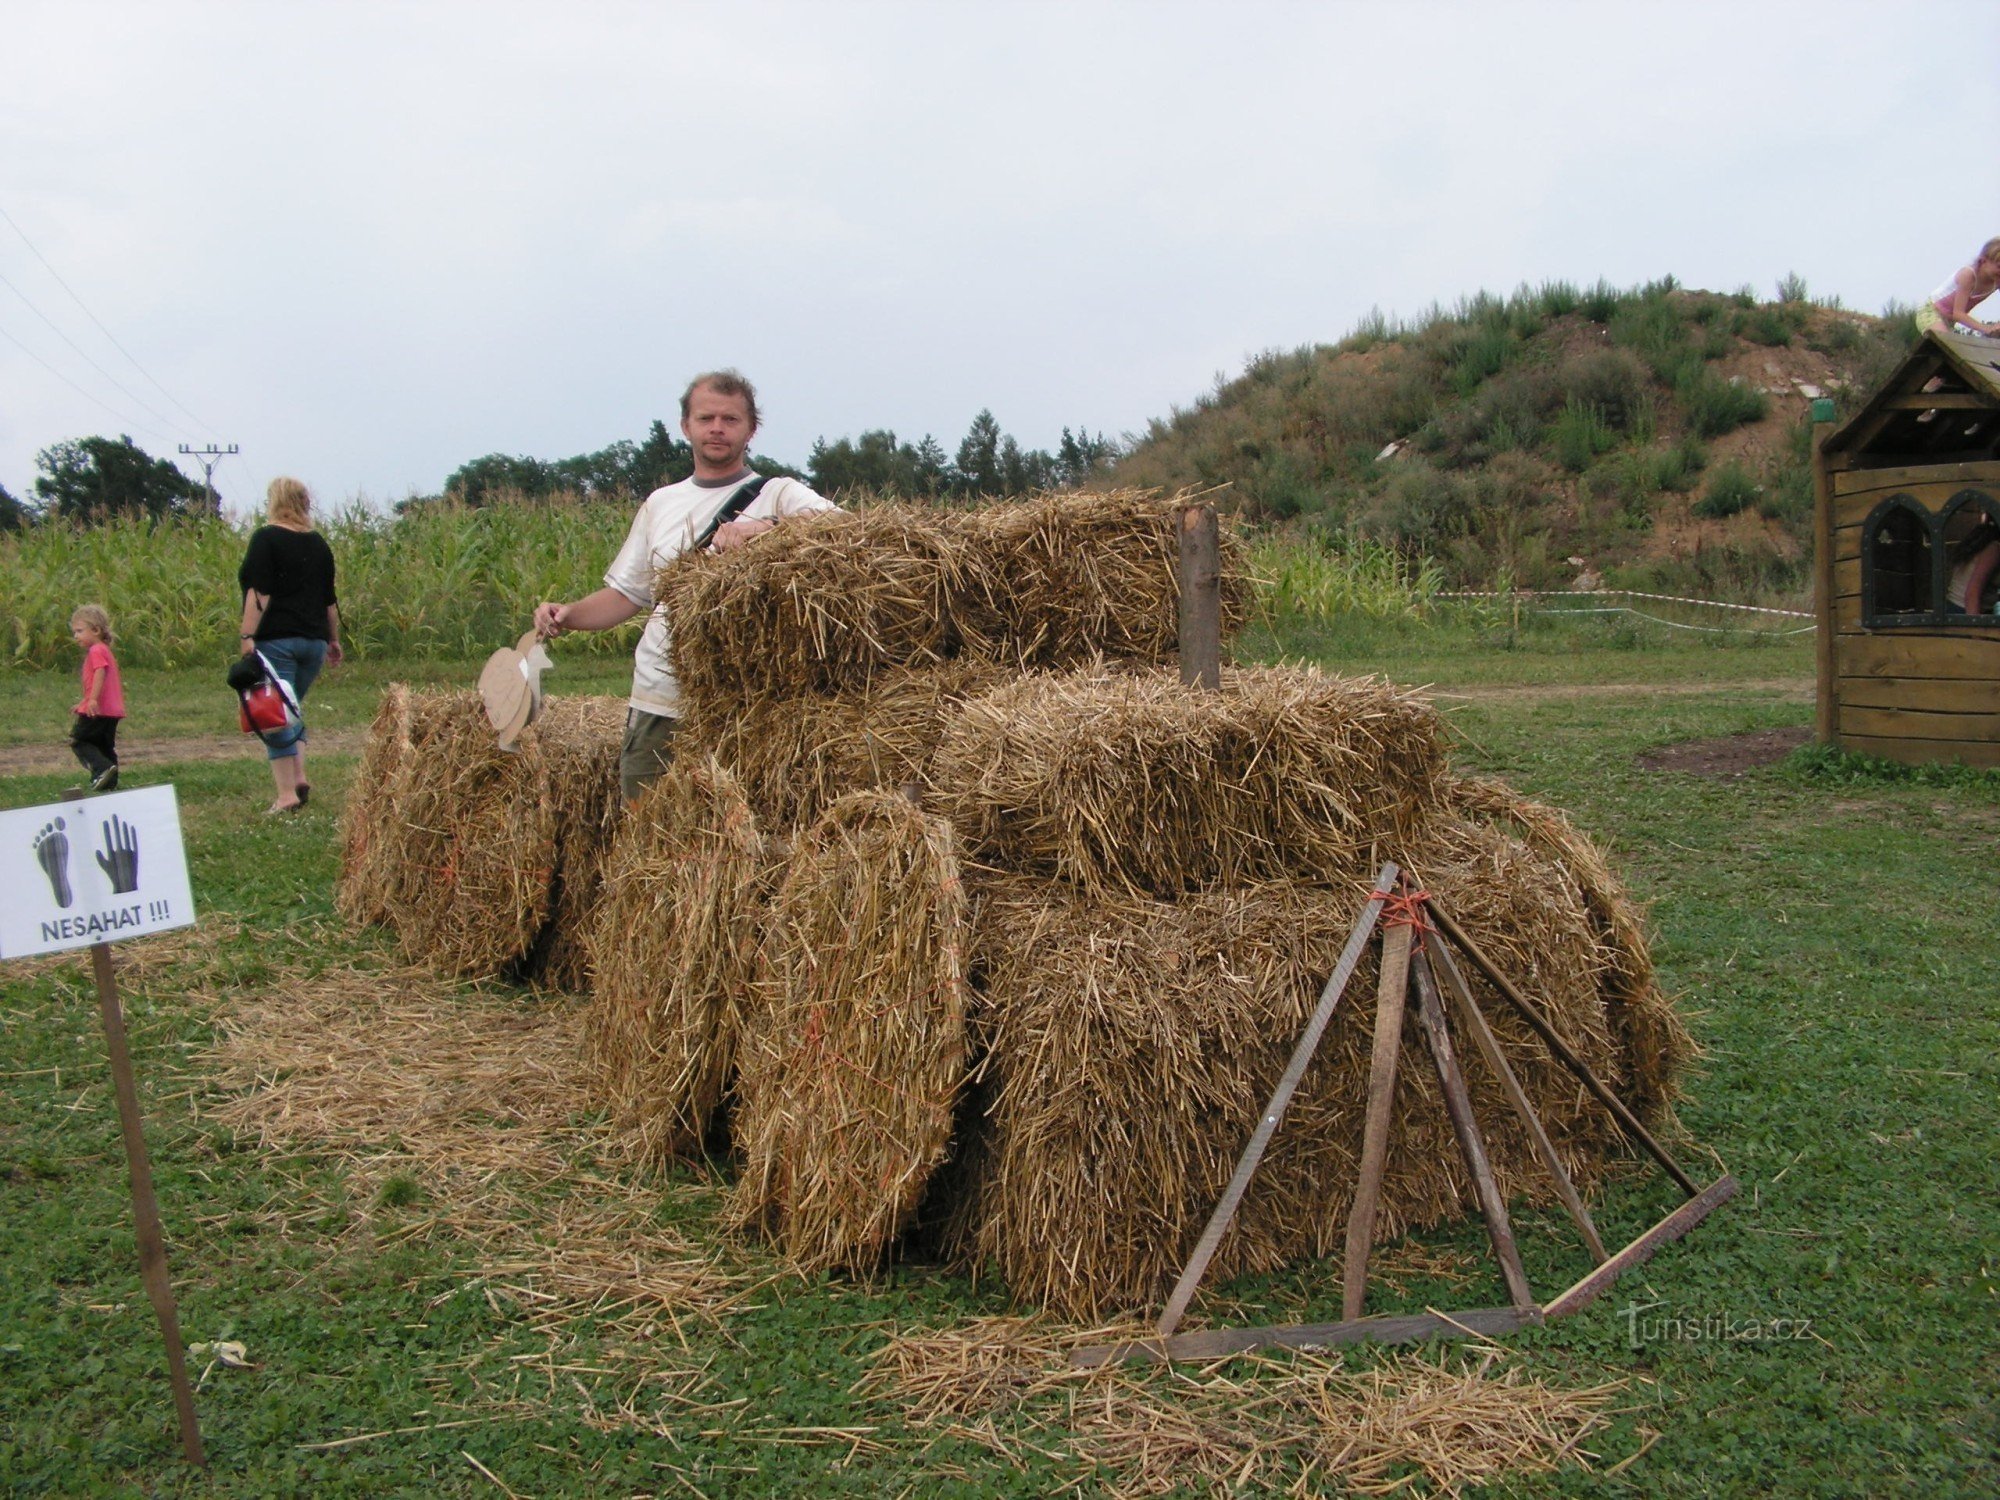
[267,706]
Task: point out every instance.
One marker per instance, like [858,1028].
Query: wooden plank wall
[1907,694]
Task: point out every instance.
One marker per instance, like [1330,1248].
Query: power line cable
[204,426]
[124,419]
[128,395]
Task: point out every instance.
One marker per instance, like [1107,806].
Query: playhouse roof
[1902,423]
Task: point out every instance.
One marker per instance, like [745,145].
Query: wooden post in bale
[1201,598]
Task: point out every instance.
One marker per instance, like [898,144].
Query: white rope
[1759,609]
[1620,609]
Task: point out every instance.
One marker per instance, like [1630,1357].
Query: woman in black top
[292,615]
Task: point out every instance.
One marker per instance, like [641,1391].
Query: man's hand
[733,534]
[551,620]
[334,655]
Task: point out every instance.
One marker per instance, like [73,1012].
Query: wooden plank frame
[1222,1343]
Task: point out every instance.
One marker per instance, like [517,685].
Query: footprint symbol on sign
[52,853]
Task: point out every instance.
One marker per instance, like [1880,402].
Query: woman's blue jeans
[297,659]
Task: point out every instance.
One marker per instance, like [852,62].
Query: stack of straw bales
[1054,1055]
[485,862]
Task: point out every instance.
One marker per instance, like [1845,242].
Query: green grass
[1826,924]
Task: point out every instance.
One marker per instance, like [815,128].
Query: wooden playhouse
[1900,485]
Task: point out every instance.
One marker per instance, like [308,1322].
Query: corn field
[440,583]
[450,583]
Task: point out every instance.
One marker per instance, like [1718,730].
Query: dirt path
[24,760]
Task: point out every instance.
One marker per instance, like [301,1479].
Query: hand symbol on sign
[119,858]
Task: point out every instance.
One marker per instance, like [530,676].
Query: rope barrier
[1620,609]
[1759,609]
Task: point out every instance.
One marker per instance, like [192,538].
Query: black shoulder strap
[729,510]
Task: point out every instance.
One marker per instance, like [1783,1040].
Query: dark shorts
[647,752]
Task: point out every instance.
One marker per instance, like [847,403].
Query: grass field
[1830,1333]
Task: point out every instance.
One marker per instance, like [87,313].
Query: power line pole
[208,458]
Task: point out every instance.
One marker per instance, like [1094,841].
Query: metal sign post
[105,869]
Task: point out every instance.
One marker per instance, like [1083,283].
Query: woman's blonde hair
[288,502]
[1989,251]
[96,617]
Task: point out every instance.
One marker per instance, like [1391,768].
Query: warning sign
[93,870]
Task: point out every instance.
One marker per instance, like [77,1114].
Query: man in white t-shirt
[718,418]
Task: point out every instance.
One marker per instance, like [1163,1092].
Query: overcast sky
[368,242]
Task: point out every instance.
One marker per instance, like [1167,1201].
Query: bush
[1652,326]
[1423,503]
[1837,336]
[1612,381]
[1792,288]
[1602,301]
[1559,299]
[1579,435]
[1485,352]
[1732,488]
[1676,468]
[1765,325]
[1282,485]
[1715,406]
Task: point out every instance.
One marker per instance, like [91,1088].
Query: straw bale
[368,822]
[826,603]
[1134,783]
[797,756]
[853,1066]
[1129,1046]
[580,740]
[1652,1037]
[822,604]
[672,956]
[479,841]
[1062,578]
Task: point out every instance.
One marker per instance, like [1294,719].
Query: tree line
[988,463]
[95,478]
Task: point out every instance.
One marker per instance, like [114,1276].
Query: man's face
[719,428]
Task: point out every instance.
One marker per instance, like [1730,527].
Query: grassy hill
[1658,434]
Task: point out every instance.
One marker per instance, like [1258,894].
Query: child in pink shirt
[94,735]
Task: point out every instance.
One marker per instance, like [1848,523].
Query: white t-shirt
[666,526]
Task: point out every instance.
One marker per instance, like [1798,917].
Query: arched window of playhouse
[1970,527]
[1898,586]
